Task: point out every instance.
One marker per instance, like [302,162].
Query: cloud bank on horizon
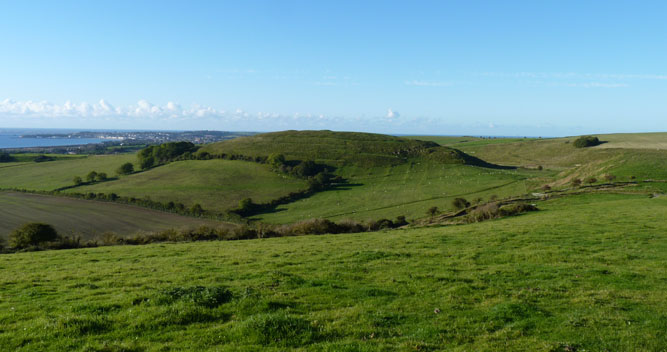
[173,116]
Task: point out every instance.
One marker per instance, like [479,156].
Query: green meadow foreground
[584,273]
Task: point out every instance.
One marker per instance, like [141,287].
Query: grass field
[583,274]
[215,184]
[657,141]
[50,175]
[407,190]
[84,218]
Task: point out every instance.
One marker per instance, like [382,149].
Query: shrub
[197,210]
[591,180]
[400,221]
[77,180]
[483,212]
[609,177]
[42,158]
[576,182]
[515,209]
[546,188]
[102,176]
[586,141]
[460,203]
[32,234]
[380,224]
[432,211]
[125,169]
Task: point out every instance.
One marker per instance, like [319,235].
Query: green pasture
[408,190]
[582,274]
[215,184]
[50,175]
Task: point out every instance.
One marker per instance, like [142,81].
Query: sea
[11,138]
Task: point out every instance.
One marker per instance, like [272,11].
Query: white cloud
[391,114]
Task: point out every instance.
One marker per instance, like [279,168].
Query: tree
[32,234]
[460,203]
[102,176]
[147,163]
[576,182]
[125,169]
[586,141]
[432,211]
[91,176]
[4,157]
[591,180]
[246,205]
[276,160]
[77,180]
[197,209]
[546,188]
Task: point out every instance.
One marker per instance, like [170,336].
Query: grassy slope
[215,184]
[88,219]
[50,175]
[407,190]
[337,148]
[624,155]
[585,273]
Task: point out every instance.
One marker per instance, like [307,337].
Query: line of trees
[159,154]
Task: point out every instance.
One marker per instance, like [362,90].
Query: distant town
[123,141]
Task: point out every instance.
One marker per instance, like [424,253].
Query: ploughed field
[584,273]
[88,219]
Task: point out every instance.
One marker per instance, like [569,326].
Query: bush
[586,141]
[125,169]
[77,180]
[591,180]
[102,176]
[42,158]
[576,182]
[460,203]
[515,209]
[432,211]
[32,234]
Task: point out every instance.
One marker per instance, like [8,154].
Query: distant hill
[340,148]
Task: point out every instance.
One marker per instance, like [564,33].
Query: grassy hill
[215,184]
[624,155]
[87,219]
[338,148]
[584,273]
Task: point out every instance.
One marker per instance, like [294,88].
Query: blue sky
[446,67]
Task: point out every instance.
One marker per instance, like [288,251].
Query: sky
[507,68]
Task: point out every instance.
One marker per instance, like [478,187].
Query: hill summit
[339,148]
